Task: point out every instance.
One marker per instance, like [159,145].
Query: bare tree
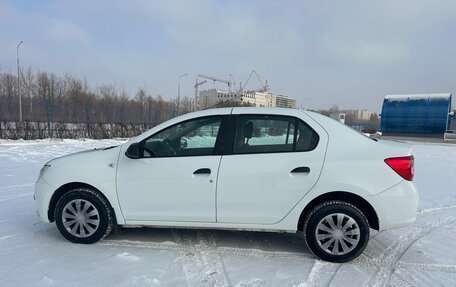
[64,103]
[29,85]
[141,100]
[9,91]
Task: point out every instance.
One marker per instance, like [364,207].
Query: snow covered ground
[33,253]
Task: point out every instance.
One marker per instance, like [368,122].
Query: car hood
[81,153]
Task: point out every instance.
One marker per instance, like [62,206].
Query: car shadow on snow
[264,241]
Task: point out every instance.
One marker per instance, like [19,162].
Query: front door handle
[203,171]
[303,169]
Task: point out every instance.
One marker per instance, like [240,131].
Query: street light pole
[179,90]
[18,82]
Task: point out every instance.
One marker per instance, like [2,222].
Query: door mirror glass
[183,143]
[133,151]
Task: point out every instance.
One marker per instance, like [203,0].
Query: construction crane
[229,82]
[197,84]
[263,82]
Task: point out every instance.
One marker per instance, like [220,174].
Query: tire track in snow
[363,262]
[375,263]
[203,265]
[396,281]
[392,255]
[7,236]
[316,275]
[198,247]
[16,196]
[334,275]
[16,186]
[435,209]
[265,254]
[191,260]
[215,268]
[390,259]
[142,244]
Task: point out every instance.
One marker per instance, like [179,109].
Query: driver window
[189,138]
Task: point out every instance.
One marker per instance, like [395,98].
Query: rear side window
[306,139]
[269,133]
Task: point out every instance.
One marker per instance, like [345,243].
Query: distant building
[425,115]
[359,115]
[257,99]
[284,101]
[212,97]
[338,116]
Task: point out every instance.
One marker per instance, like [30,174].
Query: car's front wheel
[336,231]
[83,216]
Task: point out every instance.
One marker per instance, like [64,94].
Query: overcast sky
[349,53]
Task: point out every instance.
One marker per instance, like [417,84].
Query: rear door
[275,161]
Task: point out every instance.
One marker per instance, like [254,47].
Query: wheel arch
[363,205]
[59,192]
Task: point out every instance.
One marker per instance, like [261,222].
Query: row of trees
[66,107]
[68,99]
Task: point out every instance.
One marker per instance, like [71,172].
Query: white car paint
[95,167]
[259,188]
[272,198]
[166,189]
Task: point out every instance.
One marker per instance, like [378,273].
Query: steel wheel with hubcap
[80,218]
[336,231]
[83,216]
[337,234]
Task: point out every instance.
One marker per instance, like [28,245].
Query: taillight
[402,165]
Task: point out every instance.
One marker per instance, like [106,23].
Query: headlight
[44,169]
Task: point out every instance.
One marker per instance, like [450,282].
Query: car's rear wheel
[336,231]
[83,216]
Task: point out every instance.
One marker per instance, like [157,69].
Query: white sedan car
[268,169]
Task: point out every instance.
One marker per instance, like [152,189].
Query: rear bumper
[396,206]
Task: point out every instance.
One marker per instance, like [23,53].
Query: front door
[175,179]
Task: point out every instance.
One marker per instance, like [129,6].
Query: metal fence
[362,126]
[40,130]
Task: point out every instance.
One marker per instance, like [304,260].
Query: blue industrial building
[422,115]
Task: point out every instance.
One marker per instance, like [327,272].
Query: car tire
[83,216]
[336,231]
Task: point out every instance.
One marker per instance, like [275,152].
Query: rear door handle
[303,169]
[203,171]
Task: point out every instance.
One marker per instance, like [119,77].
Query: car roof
[240,110]
[263,110]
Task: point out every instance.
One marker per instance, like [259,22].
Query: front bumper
[396,206]
[42,196]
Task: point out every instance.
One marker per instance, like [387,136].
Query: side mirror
[183,143]
[133,151]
